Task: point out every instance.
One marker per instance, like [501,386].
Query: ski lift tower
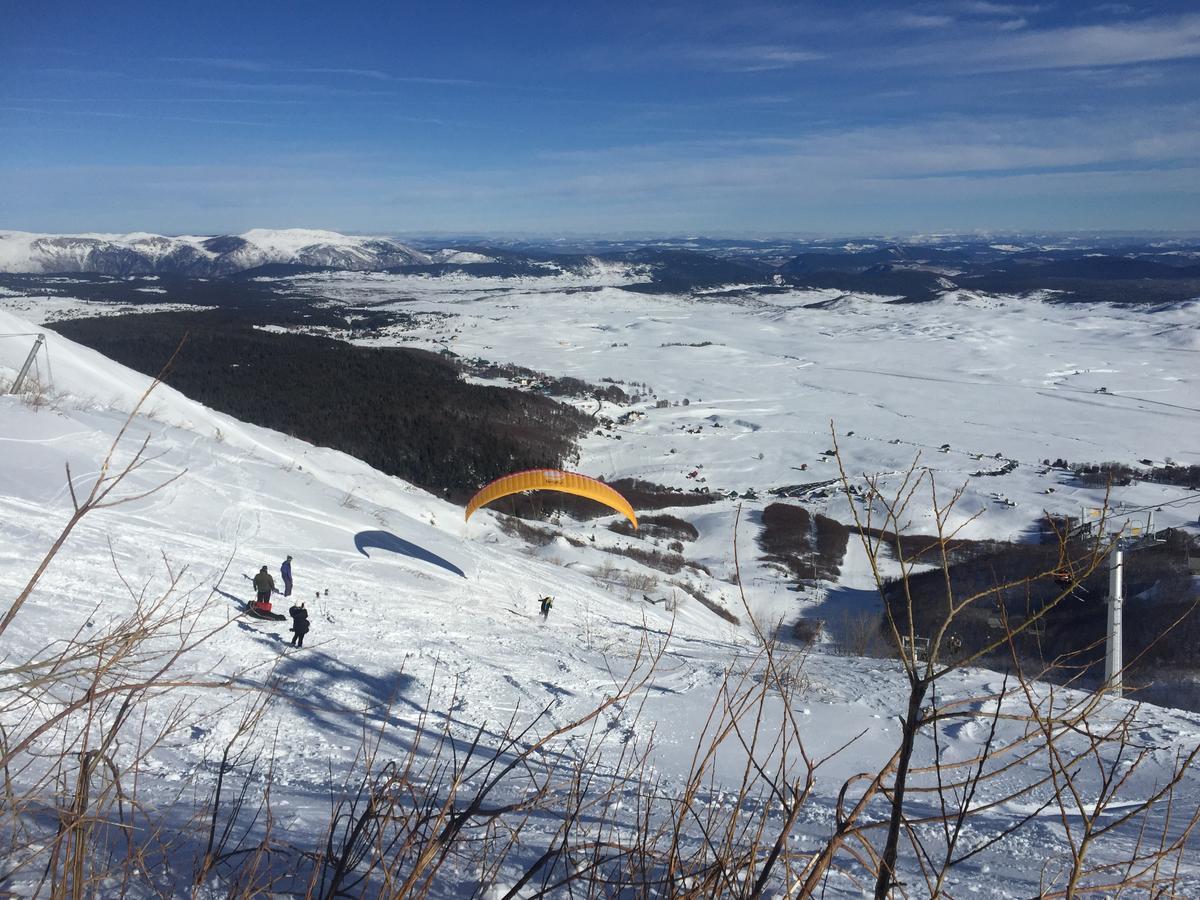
[1127,537]
[20,379]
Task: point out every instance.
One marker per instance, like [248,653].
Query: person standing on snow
[286,571]
[299,624]
[264,584]
[547,603]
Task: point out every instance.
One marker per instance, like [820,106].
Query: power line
[1009,386]
[49,367]
[45,336]
[1186,500]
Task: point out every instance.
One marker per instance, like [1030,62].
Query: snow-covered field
[418,614]
[56,309]
[972,384]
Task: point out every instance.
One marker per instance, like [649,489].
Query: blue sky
[491,117]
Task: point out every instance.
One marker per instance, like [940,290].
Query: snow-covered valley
[422,622]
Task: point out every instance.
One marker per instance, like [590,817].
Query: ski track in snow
[397,636]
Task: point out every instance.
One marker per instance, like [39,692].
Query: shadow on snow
[842,607]
[385,540]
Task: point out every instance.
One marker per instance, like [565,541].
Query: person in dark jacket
[264,584]
[299,624]
[547,603]
[286,571]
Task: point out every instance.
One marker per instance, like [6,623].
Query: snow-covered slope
[746,386]
[450,255]
[416,615]
[137,253]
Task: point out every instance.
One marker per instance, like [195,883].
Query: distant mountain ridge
[1073,270]
[199,256]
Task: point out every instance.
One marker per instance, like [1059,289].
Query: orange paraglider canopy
[552,480]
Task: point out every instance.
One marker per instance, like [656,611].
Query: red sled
[252,609]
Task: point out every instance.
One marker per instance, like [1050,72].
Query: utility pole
[1113,654]
[37,345]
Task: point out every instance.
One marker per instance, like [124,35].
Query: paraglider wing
[552,480]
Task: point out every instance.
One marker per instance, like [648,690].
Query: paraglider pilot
[547,603]
[264,584]
[299,624]
[286,571]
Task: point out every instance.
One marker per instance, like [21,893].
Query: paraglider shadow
[385,540]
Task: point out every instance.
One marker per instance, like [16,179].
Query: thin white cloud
[987,8]
[838,159]
[103,114]
[747,58]
[270,101]
[922,20]
[722,195]
[1157,39]
[250,65]
[1151,40]
[306,89]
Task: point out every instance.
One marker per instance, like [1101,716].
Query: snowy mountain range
[143,254]
[1073,270]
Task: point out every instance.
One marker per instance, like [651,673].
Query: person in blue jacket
[286,571]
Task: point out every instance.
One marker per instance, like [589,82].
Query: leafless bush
[1072,731]
[531,534]
[694,591]
[655,559]
[861,634]
[36,394]
[542,807]
[102,494]
[636,582]
[808,631]
[68,707]
[606,571]
[673,601]
[661,525]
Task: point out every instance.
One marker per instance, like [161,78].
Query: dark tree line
[664,526]
[810,546]
[565,386]
[1117,473]
[1158,590]
[406,412]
